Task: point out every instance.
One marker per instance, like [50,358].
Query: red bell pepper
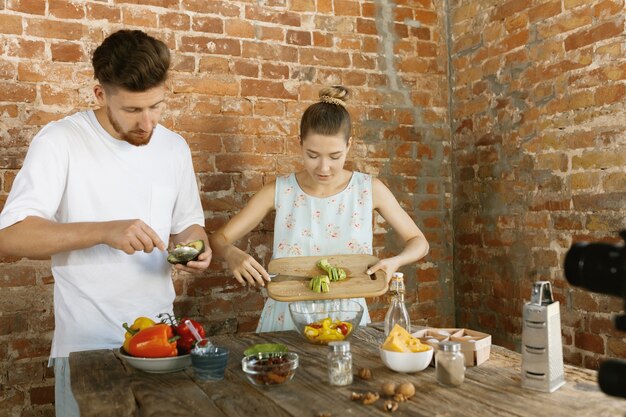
[157,341]
[187,339]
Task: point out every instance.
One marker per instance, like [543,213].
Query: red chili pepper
[187,339]
[157,341]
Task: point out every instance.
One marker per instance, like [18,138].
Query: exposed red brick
[589,342]
[10,24]
[322,40]
[426,17]
[516,22]
[140,17]
[347,8]
[27,6]
[269,108]
[303,5]
[208,85]
[96,11]
[175,21]
[223,8]
[320,56]
[42,395]
[610,94]
[544,11]
[64,9]
[564,23]
[298,38]
[239,28]
[595,34]
[270,52]
[216,182]
[207,24]
[604,201]
[48,28]
[202,44]
[243,162]
[257,13]
[273,71]
[269,33]
[214,65]
[509,8]
[608,8]
[23,93]
[262,88]
[25,48]
[67,52]
[366,26]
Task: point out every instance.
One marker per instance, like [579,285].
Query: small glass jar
[339,363]
[450,364]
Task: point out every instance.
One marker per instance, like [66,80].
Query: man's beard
[134,137]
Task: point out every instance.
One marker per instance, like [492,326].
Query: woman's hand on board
[245,268]
[387,265]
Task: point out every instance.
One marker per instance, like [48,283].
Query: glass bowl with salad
[323,321]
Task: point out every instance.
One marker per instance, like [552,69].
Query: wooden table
[104,386]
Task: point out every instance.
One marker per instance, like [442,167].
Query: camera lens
[598,267]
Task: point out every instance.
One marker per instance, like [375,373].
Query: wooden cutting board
[356,284]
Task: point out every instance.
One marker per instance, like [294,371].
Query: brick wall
[539,153]
[242,75]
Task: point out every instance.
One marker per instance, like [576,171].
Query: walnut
[390,406]
[370,398]
[407,389]
[399,398]
[365,373]
[356,396]
[388,388]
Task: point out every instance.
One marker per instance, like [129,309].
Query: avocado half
[186,252]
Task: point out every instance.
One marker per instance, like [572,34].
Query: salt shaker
[450,364]
[339,363]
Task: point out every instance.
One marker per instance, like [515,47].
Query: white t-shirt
[75,171]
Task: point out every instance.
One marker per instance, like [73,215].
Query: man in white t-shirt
[103,193]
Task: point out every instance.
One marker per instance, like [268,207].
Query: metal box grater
[542,351]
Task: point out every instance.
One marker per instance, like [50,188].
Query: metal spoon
[201,344]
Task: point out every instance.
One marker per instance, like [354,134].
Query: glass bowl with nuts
[270,368]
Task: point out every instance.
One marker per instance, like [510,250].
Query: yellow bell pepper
[139,324]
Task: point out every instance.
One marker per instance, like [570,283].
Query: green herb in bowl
[265,347]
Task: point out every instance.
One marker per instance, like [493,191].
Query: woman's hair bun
[334,95]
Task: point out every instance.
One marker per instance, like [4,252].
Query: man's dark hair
[132,60]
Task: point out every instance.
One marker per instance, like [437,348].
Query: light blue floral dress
[308,226]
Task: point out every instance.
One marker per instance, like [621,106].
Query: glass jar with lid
[339,363]
[450,364]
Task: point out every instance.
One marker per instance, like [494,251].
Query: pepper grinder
[542,351]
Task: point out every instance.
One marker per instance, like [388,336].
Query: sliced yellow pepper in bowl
[327,330]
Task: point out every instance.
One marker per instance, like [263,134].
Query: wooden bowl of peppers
[159,347]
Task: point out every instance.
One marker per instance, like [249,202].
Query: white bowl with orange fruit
[402,352]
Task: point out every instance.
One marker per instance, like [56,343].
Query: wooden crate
[476,346]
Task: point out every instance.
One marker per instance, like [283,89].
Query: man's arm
[38,238]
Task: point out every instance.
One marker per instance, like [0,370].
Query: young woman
[322,210]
